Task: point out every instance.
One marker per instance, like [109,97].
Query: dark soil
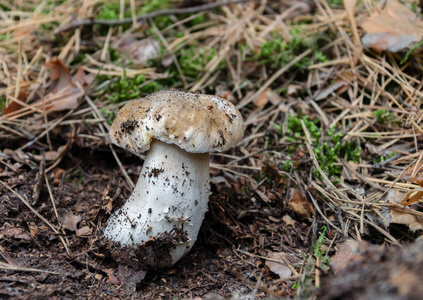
[87,187]
[84,187]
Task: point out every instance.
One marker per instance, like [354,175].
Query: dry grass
[345,91]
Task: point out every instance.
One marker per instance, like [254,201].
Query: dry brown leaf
[14,106]
[139,51]
[403,215]
[14,233]
[82,78]
[279,268]
[64,90]
[394,29]
[84,231]
[274,97]
[33,229]
[413,197]
[114,280]
[262,100]
[293,89]
[268,96]
[299,204]
[57,173]
[69,220]
[288,220]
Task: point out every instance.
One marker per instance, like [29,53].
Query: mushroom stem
[171,196]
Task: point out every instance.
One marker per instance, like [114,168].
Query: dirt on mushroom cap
[195,122]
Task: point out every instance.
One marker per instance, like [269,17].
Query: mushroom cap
[195,122]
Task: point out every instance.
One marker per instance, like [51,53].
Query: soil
[226,261]
[86,188]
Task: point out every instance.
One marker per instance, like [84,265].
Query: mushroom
[169,201]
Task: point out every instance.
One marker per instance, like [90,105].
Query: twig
[173,11]
[6,266]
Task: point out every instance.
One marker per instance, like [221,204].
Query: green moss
[385,117]
[108,115]
[328,148]
[153,5]
[194,59]
[279,52]
[5,36]
[122,88]
[111,11]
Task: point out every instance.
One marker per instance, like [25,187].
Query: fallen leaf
[82,78]
[293,89]
[403,215]
[395,28]
[99,277]
[114,280]
[139,51]
[33,229]
[57,173]
[299,204]
[279,268]
[16,233]
[63,88]
[14,106]
[84,231]
[227,94]
[262,100]
[274,97]
[288,220]
[413,197]
[69,220]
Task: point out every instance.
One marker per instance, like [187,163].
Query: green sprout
[155,5]
[409,52]
[321,254]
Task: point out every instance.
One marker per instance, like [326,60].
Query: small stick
[317,272]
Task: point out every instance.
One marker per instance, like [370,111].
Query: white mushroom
[170,198]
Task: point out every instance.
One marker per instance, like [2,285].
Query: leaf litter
[394,28]
[333,140]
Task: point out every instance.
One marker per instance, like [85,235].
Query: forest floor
[321,198]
